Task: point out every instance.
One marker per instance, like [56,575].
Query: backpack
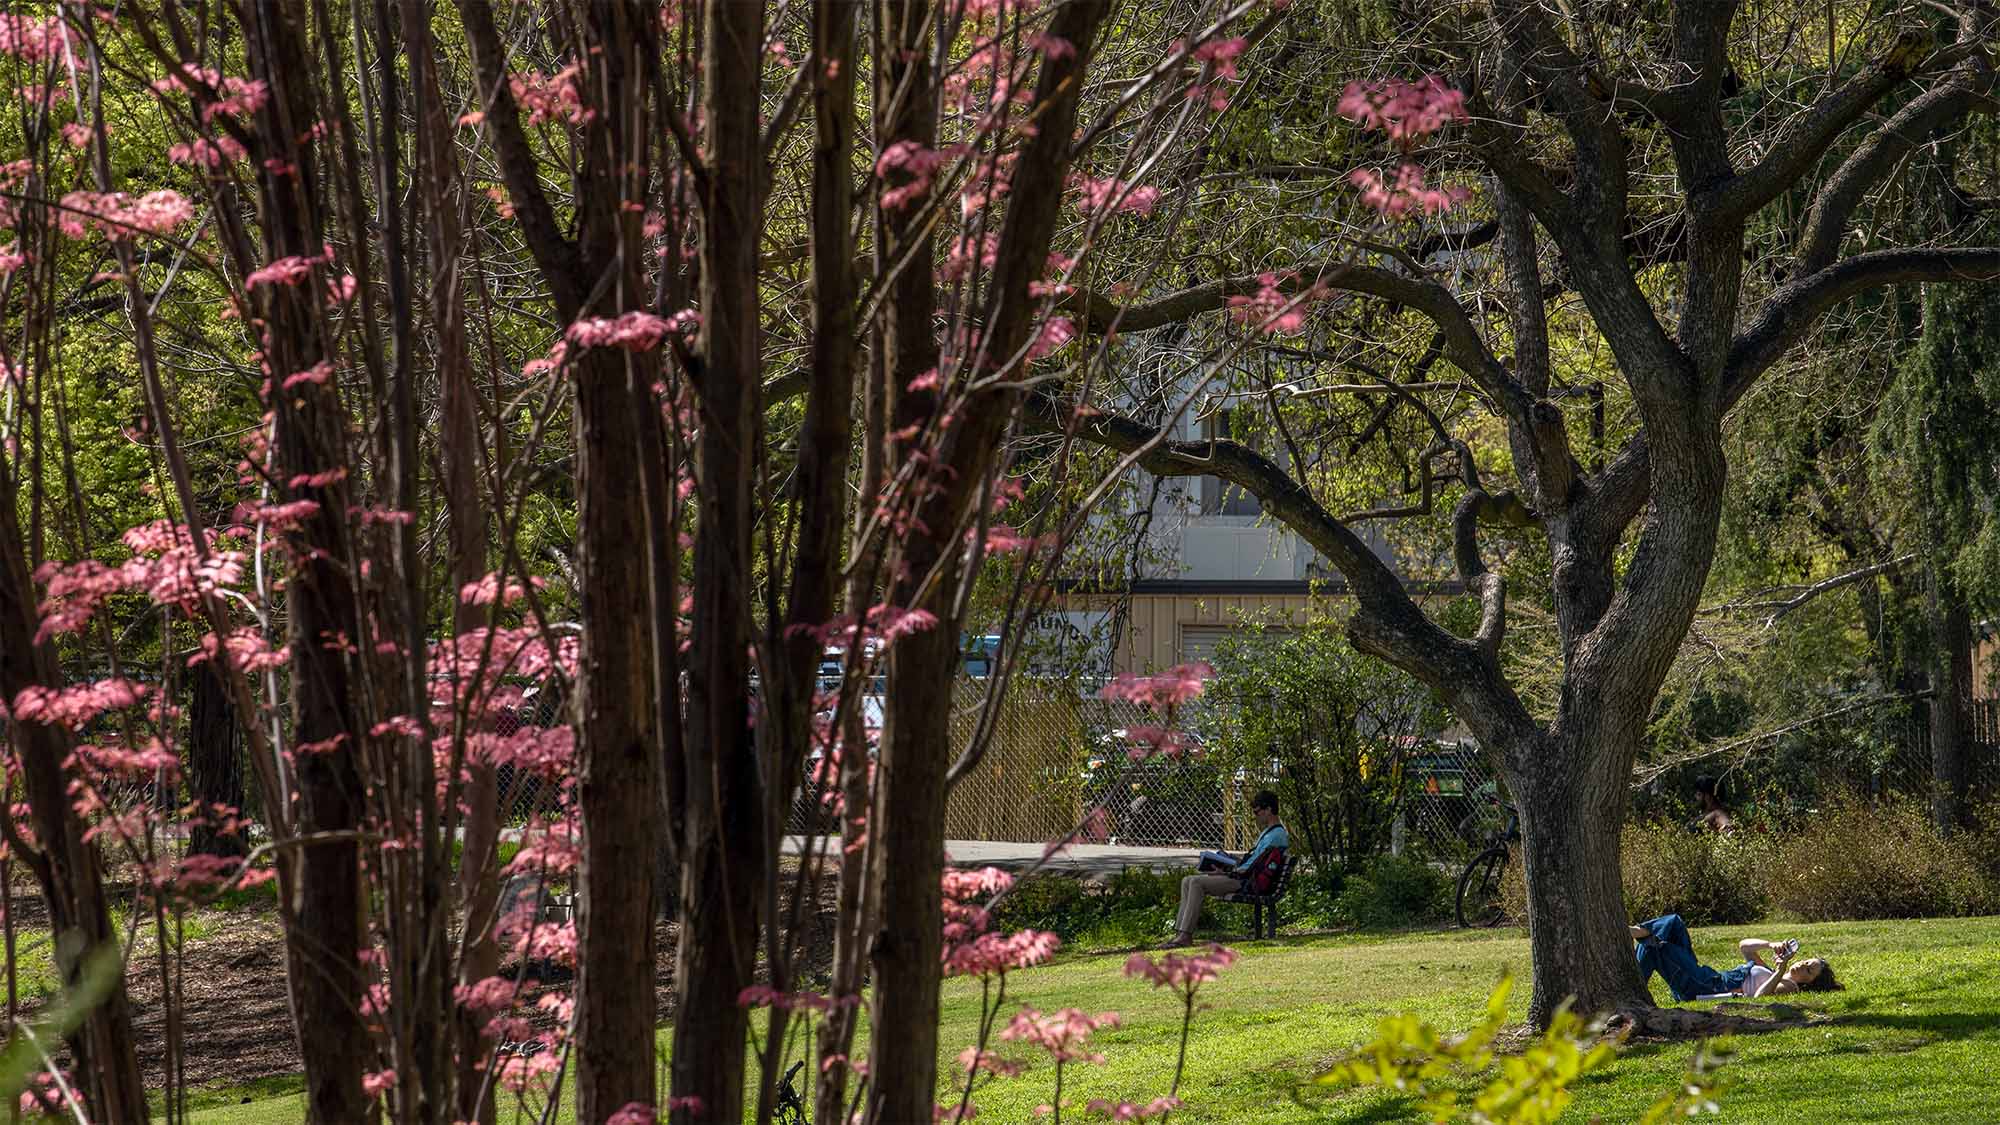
[1262,877]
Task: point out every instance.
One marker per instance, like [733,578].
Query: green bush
[1391,892]
[1880,861]
[1708,879]
[1060,904]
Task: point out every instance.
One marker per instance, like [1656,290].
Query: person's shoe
[1180,941]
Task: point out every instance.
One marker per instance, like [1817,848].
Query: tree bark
[466,535]
[618,747]
[309,443]
[1571,797]
[215,761]
[66,867]
[1951,699]
[724,839]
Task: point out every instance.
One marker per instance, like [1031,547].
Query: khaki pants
[1194,888]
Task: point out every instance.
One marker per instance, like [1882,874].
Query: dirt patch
[235,1022]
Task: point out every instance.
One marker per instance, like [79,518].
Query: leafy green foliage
[1332,728]
[1705,877]
[1530,1087]
[1880,861]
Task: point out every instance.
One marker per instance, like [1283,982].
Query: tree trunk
[1951,700]
[908,823]
[618,749]
[723,859]
[309,442]
[215,761]
[467,534]
[65,865]
[1572,805]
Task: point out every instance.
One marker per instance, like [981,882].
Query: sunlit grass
[1912,1039]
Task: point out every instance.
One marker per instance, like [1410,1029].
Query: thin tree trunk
[821,483]
[467,534]
[1951,700]
[619,746]
[215,761]
[722,856]
[65,866]
[309,423]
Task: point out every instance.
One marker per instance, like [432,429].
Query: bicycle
[792,1108]
[1478,903]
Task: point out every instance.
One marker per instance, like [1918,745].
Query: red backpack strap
[1264,873]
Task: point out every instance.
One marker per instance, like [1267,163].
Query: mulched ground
[235,1021]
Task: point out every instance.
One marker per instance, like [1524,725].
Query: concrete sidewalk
[1088,860]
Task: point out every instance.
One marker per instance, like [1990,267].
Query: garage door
[1199,642]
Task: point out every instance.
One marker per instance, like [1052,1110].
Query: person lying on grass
[1664,948]
[1255,873]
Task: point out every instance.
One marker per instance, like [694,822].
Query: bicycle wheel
[1479,889]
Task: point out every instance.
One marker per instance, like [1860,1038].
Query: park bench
[1262,904]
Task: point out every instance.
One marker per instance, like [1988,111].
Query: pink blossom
[76,705]
[376,1083]
[689,1102]
[972,1060]
[41,1093]
[892,623]
[1148,741]
[1052,335]
[553,97]
[556,851]
[1408,197]
[248,650]
[33,40]
[488,590]
[486,995]
[318,375]
[1222,54]
[994,954]
[1065,1035]
[1185,972]
[1271,309]
[1099,194]
[1172,687]
[9,262]
[960,885]
[120,216]
[634,1113]
[918,163]
[284,271]
[206,153]
[1132,1111]
[633,331]
[1406,111]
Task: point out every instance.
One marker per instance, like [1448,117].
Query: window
[1219,497]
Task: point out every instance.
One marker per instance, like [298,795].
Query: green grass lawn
[1915,1036]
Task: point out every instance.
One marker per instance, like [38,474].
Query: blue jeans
[1670,953]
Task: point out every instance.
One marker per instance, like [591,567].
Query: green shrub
[1059,904]
[1391,892]
[1708,879]
[1879,861]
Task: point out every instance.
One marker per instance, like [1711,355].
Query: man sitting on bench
[1223,874]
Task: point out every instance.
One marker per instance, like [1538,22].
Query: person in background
[1223,874]
[1664,947]
[1714,814]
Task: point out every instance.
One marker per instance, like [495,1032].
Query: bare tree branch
[1826,225]
[1793,310]
[1796,147]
